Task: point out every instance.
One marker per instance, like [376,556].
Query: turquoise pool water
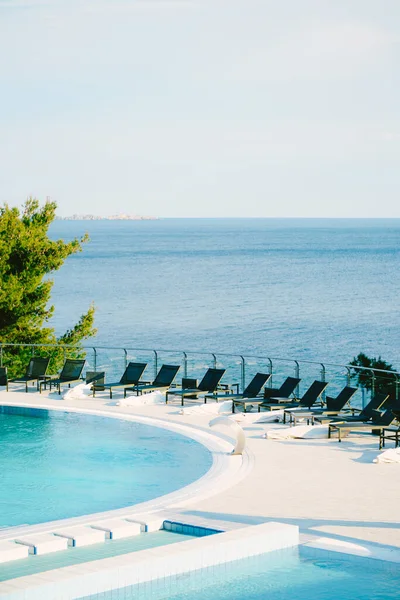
[55,465]
[285,575]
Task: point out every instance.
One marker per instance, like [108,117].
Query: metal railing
[240,368]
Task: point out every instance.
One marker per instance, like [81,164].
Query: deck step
[117,529]
[42,543]
[81,535]
[148,523]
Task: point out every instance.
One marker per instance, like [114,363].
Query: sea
[306,289]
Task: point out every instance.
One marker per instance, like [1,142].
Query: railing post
[155,363]
[297,375]
[94,359]
[323,378]
[125,358]
[271,368]
[373,383]
[348,376]
[243,372]
[185,364]
[214,360]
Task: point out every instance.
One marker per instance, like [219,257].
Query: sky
[202,108]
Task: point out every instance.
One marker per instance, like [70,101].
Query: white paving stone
[81,535]
[116,529]
[42,543]
[149,523]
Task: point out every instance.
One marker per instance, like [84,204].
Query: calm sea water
[311,289]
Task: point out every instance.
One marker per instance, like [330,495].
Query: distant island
[120,217]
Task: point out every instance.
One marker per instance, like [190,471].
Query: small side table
[389,433]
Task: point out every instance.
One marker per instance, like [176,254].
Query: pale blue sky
[250,108]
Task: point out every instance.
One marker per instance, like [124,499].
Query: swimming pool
[297,573]
[56,464]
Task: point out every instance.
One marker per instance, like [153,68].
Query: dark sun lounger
[70,373]
[163,381]
[284,391]
[376,403]
[306,401]
[332,408]
[378,422]
[130,377]
[251,391]
[35,371]
[208,384]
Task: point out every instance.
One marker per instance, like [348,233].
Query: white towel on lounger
[82,391]
[156,397]
[213,408]
[299,431]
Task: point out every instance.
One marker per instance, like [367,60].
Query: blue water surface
[318,289]
[65,465]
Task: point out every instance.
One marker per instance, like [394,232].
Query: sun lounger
[378,422]
[70,373]
[309,398]
[251,391]
[287,388]
[163,381]
[332,408]
[377,402]
[307,401]
[35,371]
[130,378]
[284,391]
[208,385]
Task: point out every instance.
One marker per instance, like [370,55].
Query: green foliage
[27,257]
[374,379]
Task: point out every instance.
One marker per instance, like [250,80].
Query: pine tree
[27,257]
[375,380]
